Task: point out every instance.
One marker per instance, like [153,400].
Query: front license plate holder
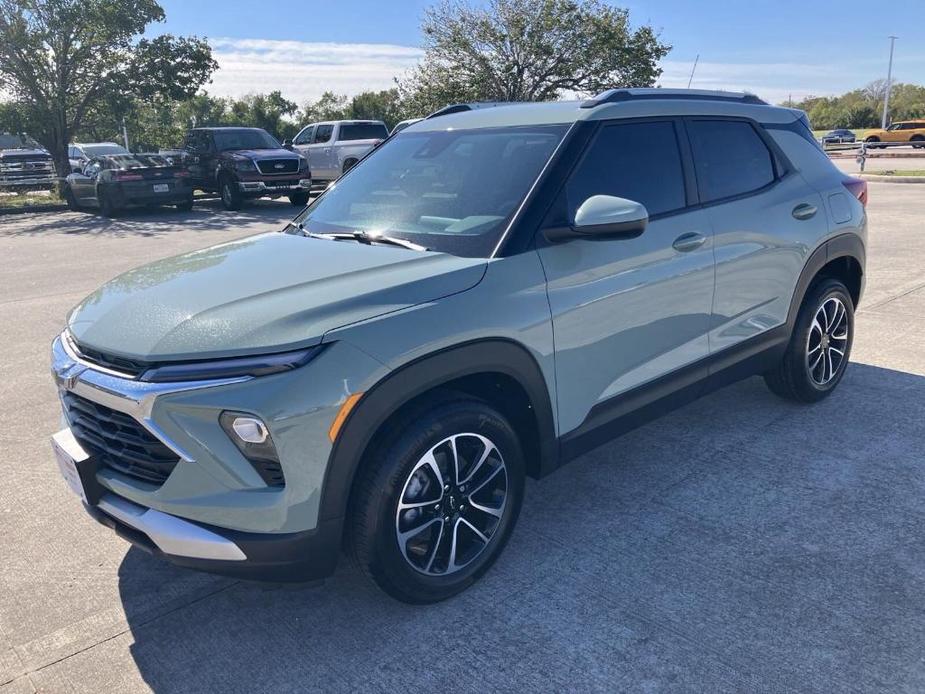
[77,467]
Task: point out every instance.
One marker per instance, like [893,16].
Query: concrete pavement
[739,544]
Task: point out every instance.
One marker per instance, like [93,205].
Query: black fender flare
[416,378]
[844,245]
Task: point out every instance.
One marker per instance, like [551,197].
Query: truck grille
[118,441]
[12,171]
[270,167]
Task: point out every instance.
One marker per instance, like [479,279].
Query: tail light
[857,187]
[128,176]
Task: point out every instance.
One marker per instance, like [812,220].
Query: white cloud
[303,70]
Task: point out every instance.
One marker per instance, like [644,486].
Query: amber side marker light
[342,415]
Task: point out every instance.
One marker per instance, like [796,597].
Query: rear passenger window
[730,158]
[636,161]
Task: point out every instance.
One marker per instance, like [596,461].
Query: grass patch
[11,200]
[898,172]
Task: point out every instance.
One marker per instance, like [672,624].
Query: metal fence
[864,149]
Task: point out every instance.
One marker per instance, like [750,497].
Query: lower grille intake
[118,441]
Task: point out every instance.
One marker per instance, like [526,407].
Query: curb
[33,208]
[892,179]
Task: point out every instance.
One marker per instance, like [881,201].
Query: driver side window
[305,136]
[323,134]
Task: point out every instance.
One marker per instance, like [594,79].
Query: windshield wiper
[363,237]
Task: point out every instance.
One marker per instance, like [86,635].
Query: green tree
[267,111]
[61,58]
[385,105]
[329,106]
[528,50]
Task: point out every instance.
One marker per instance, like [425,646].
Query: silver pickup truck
[332,147]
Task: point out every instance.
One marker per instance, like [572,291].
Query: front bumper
[214,512]
[269,187]
[288,557]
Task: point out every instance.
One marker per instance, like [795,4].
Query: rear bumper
[143,194]
[278,557]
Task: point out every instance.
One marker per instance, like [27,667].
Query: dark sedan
[838,136]
[111,183]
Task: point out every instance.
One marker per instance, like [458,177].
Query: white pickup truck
[332,147]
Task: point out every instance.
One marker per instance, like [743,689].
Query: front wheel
[299,199]
[918,141]
[434,507]
[817,356]
[231,194]
[71,199]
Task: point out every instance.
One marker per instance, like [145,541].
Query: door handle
[804,211]
[689,241]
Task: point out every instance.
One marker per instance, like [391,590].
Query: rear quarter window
[362,131]
[730,158]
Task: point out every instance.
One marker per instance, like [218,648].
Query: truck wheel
[349,164]
[436,502]
[298,199]
[231,194]
[819,348]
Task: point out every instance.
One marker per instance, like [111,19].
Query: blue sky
[771,48]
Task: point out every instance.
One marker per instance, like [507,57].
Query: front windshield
[103,150]
[8,141]
[452,191]
[226,140]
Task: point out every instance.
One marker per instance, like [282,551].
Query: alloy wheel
[827,341]
[452,504]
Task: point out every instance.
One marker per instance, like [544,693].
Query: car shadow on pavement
[143,221]
[741,543]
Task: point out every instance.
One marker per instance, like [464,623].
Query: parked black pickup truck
[241,163]
[25,165]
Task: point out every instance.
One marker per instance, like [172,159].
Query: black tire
[299,199]
[349,164]
[231,195]
[107,207]
[186,205]
[872,141]
[918,141]
[396,461]
[794,378]
[71,201]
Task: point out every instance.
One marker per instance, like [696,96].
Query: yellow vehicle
[902,131]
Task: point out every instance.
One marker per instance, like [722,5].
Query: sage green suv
[486,296]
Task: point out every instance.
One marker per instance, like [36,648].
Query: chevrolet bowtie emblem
[69,376]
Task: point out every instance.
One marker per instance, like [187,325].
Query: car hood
[265,153]
[38,153]
[266,293]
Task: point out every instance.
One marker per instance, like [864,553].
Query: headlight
[262,365]
[244,165]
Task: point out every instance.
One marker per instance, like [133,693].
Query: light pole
[889,84]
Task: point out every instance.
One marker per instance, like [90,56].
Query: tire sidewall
[387,564]
[822,292]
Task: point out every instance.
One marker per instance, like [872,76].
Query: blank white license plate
[61,441]
[161,188]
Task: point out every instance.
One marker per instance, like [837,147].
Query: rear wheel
[186,205]
[231,194]
[817,356]
[299,199]
[107,206]
[435,505]
[349,164]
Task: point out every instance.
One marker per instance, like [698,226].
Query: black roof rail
[615,96]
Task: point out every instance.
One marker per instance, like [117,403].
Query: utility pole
[124,132]
[691,79]
[889,84]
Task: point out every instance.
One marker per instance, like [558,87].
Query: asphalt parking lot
[739,544]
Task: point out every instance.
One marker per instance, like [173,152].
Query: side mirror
[603,216]
[287,144]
